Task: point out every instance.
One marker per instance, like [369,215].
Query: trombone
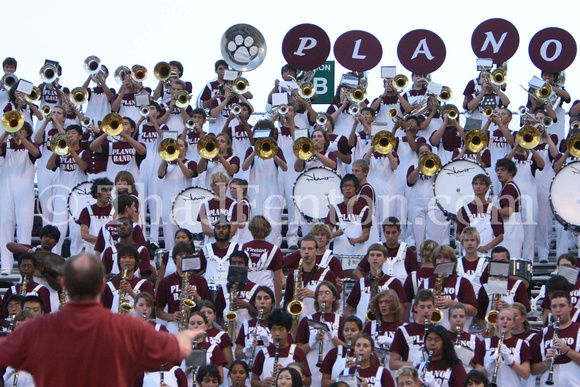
[79,95]
[169,150]
[48,73]
[528,137]
[266,148]
[208,147]
[304,148]
[139,73]
[112,124]
[92,65]
[384,142]
[181,99]
[60,144]
[476,140]
[429,164]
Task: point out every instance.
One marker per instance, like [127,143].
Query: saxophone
[296,306]
[375,281]
[437,315]
[62,298]
[24,285]
[124,305]
[231,316]
[186,304]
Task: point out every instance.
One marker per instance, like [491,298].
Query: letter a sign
[358,50]
[497,39]
[421,51]
[552,49]
[306,47]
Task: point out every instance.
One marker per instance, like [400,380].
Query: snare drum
[452,186]
[79,198]
[186,208]
[521,268]
[313,189]
[565,196]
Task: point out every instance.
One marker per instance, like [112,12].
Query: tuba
[60,144]
[124,305]
[266,148]
[384,142]
[112,124]
[476,140]
[208,147]
[79,95]
[528,137]
[92,65]
[169,150]
[304,148]
[429,164]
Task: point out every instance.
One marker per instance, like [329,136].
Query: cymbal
[56,261]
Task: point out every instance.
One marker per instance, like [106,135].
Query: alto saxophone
[296,306]
[186,304]
[24,285]
[124,305]
[231,316]
[375,281]
[437,314]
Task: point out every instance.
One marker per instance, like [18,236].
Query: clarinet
[348,345]
[550,380]
[161,377]
[276,358]
[358,365]
[427,364]
[258,323]
[493,382]
[458,338]
[321,346]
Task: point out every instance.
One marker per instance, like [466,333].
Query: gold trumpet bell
[169,149]
[451,110]
[384,142]
[208,147]
[12,121]
[79,95]
[266,148]
[306,90]
[112,124]
[304,148]
[573,145]
[393,113]
[429,164]
[162,71]
[45,110]
[476,140]
[60,144]
[528,137]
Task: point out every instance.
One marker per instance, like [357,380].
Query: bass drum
[452,186]
[186,208]
[564,198]
[79,198]
[312,191]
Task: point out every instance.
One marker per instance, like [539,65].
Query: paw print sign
[243,47]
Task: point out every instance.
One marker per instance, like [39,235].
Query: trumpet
[547,121]
[451,110]
[45,110]
[60,144]
[445,94]
[190,123]
[236,109]
[162,71]
[493,381]
[86,122]
[321,120]
[572,144]
[304,148]
[34,95]
[169,150]
[429,164]
[8,80]
[144,111]
[266,148]
[139,73]
[208,147]
[393,113]
[92,64]
[487,111]
[437,314]
[528,137]
[498,76]
[400,82]
[384,142]
[231,316]
[48,73]
[241,85]
[121,73]
[186,304]
[306,90]
[112,124]
[79,95]
[181,99]
[124,305]
[354,109]
[283,110]
[476,140]
[12,121]
[550,380]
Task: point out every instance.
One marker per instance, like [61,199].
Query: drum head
[186,208]
[79,198]
[452,187]
[312,191]
[565,196]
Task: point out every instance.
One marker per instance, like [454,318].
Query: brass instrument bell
[304,148]
[34,95]
[112,124]
[498,76]
[306,90]
[384,142]
[12,121]
[181,99]
[445,94]
[429,164]
[544,92]
[139,73]
[241,85]
[121,73]
[400,82]
[79,95]
[8,80]
[60,144]
[48,73]
[528,137]
[208,147]
[358,95]
[266,148]
[92,64]
[169,149]
[573,145]
[162,71]
[476,140]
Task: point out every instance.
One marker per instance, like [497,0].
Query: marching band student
[265,266]
[125,185]
[18,102]
[269,361]
[224,161]
[123,155]
[167,266]
[500,140]
[124,102]
[242,210]
[510,207]
[408,341]
[214,355]
[239,374]
[482,94]
[8,67]
[100,96]
[428,221]
[523,330]
[144,307]
[391,98]
[217,254]
[481,215]
[174,177]
[351,221]
[338,146]
[289,377]
[360,296]
[194,134]
[516,291]
[447,138]
[169,291]
[221,105]
[322,156]
[342,119]
[366,195]
[445,367]
[53,92]
[513,355]
[361,137]
[110,256]
[326,305]
[335,360]
[214,89]
[415,278]
[207,376]
[482,157]
[565,348]
[302,282]
[471,265]
[214,333]
[27,265]
[262,173]
[289,82]
[10,310]
[254,334]
[408,377]
[387,310]
[17,206]
[457,319]
[34,304]
[92,218]
[13,377]
[175,117]
[528,163]
[71,171]
[218,206]
[163,89]
[453,288]
[240,131]
[368,368]
[554,108]
[400,260]
[240,301]
[128,260]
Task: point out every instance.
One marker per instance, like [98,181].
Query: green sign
[324,83]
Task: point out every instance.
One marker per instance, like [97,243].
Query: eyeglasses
[325,292]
